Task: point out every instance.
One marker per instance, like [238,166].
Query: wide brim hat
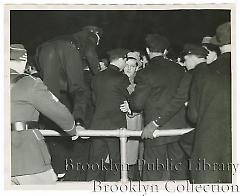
[223,35]
[206,40]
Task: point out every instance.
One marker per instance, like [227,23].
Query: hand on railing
[76,137]
[148,130]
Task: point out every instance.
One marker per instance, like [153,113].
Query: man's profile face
[190,61]
[98,38]
[122,63]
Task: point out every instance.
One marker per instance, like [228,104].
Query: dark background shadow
[121,28]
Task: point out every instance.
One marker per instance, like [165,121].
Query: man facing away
[155,86]
[109,92]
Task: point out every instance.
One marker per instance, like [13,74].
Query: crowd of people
[66,85]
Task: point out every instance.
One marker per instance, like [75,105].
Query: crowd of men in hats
[72,88]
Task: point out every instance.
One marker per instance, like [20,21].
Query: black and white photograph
[131,95]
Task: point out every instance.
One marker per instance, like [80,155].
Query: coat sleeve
[199,78]
[124,83]
[141,92]
[92,57]
[92,89]
[177,102]
[193,104]
[78,90]
[46,103]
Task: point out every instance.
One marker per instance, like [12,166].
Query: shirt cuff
[71,131]
[154,122]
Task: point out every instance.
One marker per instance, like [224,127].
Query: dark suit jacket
[109,91]
[155,86]
[210,109]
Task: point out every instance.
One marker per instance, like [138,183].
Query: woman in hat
[134,121]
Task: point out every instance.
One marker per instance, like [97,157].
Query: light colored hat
[18,52]
[135,55]
[206,40]
[18,58]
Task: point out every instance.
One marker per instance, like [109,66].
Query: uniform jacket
[109,91]
[29,96]
[155,86]
[60,62]
[210,109]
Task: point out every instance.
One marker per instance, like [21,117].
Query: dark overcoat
[61,62]
[210,109]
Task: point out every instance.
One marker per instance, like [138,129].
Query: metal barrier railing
[123,134]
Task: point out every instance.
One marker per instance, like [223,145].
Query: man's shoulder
[162,62]
[26,79]
[161,65]
[30,83]
[25,85]
[104,75]
[143,72]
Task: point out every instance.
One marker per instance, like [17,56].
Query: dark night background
[121,28]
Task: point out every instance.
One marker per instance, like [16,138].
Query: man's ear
[165,52]
[98,38]
[148,51]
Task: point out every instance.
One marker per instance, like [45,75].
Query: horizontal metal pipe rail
[123,134]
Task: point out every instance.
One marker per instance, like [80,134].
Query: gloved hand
[148,130]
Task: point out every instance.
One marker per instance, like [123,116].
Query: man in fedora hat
[60,63]
[153,91]
[210,111]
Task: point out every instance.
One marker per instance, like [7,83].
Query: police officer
[30,159]
[61,62]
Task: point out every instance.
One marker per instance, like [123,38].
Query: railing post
[123,149]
